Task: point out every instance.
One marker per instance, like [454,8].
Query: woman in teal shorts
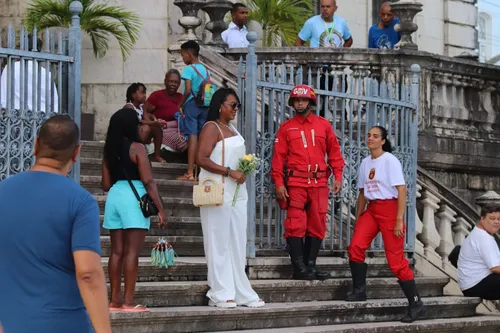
[125,157]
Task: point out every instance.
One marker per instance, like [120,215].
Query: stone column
[189,20]
[406,11]
[217,10]
[430,236]
[446,218]
[460,230]
[419,226]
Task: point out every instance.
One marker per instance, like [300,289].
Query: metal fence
[40,77]
[353,101]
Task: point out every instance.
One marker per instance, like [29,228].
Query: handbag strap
[223,150]
[129,181]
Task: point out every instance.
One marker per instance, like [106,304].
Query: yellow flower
[248,157]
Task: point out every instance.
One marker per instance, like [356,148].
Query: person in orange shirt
[303,143]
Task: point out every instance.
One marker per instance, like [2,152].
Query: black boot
[416,309]
[300,271]
[311,249]
[358,272]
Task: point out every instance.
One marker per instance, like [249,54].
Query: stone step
[195,268]
[476,324]
[280,315]
[92,167]
[167,294]
[192,246]
[177,226]
[166,187]
[182,226]
[174,206]
[184,246]
[91,149]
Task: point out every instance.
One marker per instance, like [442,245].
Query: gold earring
[220,110]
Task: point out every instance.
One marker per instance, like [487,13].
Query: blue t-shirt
[44,218]
[325,34]
[384,38]
[188,73]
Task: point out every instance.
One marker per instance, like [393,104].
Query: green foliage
[281,20]
[98,20]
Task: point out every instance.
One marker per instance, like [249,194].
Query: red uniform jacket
[303,145]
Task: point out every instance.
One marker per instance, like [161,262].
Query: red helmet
[303,91]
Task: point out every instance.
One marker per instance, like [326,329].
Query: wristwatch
[228,171]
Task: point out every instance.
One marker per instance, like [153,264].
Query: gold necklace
[226,126]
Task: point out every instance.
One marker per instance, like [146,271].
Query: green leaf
[98,20]
[281,20]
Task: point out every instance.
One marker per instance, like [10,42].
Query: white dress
[225,232]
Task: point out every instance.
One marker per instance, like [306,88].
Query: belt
[383,200]
[307,174]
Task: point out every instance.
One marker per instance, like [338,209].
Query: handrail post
[74,71]
[250,125]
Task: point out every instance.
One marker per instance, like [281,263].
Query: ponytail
[387,147]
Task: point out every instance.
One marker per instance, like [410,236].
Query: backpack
[206,90]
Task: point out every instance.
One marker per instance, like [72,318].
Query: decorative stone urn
[406,11]
[189,20]
[488,199]
[217,10]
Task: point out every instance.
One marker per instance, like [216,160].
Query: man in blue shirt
[325,30]
[382,35]
[51,277]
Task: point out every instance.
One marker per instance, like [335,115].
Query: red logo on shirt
[372,173]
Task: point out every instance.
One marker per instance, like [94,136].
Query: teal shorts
[122,209]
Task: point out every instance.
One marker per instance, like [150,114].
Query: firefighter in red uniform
[303,143]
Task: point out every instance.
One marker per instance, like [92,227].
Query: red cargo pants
[306,213]
[380,216]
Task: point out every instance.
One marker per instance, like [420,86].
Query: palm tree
[281,20]
[98,20]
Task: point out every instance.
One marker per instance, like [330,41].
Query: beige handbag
[207,192]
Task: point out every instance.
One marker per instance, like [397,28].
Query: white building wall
[489,29]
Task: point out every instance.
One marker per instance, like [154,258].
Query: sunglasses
[234,105]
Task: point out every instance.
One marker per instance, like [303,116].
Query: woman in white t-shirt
[382,186]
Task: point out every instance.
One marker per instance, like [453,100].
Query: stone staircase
[177,299]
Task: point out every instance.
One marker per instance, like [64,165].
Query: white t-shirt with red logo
[379,177]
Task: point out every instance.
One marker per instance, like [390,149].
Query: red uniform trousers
[306,213]
[380,216]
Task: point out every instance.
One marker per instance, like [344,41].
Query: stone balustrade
[446,220]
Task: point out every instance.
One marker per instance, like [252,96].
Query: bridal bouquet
[247,164]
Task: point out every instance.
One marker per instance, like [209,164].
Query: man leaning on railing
[479,258]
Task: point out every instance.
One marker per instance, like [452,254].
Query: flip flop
[115,309]
[137,308]
[186,177]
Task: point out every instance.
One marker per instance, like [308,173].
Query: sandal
[223,304]
[255,304]
[186,177]
[137,308]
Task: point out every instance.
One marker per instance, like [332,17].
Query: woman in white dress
[224,227]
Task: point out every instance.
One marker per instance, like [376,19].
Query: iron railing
[353,101]
[40,77]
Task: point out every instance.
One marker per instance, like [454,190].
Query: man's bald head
[58,139]
[385,5]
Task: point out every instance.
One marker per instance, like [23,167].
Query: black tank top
[125,163]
